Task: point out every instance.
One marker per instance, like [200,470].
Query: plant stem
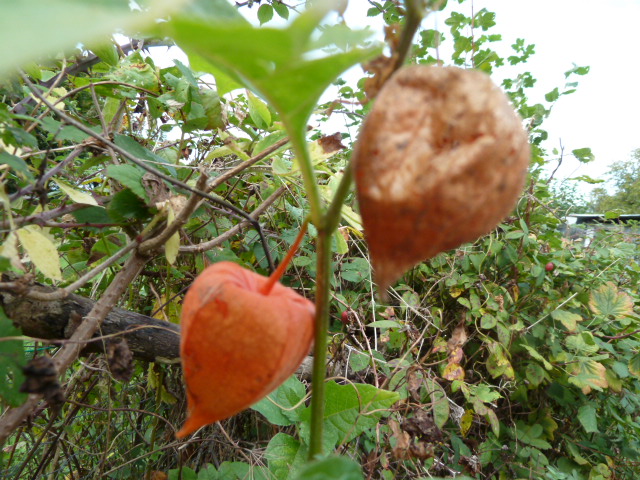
[334,214]
[323,284]
[415,14]
[299,145]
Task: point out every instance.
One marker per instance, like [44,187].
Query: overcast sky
[604,113]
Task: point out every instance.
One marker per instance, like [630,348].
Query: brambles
[440,160]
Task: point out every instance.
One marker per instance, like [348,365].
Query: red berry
[344,318]
[549,267]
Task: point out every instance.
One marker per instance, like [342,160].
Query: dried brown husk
[441,160]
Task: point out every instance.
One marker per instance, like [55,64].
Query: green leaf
[439,402]
[355,270]
[610,302]
[11,362]
[138,151]
[583,343]
[17,164]
[488,321]
[384,324]
[107,52]
[341,246]
[277,407]
[583,155]
[568,319]
[208,472]
[531,435]
[588,419]
[349,411]
[265,13]
[281,9]
[535,374]
[258,111]
[553,95]
[275,63]
[577,71]
[184,473]
[125,206]
[268,141]
[534,354]
[130,176]
[587,179]
[241,471]
[331,468]
[71,134]
[285,455]
[66,23]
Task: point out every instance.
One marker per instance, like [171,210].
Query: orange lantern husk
[243,335]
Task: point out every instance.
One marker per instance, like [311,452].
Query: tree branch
[69,352]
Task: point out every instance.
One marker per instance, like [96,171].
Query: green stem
[298,140]
[334,214]
[415,14]
[323,285]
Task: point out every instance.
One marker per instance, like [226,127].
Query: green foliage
[11,362]
[484,363]
[624,177]
[64,23]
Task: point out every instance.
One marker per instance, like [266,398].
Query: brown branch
[13,417]
[54,171]
[149,339]
[216,182]
[43,217]
[66,291]
[180,219]
[220,239]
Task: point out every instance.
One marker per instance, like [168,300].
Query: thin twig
[180,219]
[83,280]
[216,182]
[142,164]
[220,239]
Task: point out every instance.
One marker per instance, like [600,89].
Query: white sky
[603,34]
[603,113]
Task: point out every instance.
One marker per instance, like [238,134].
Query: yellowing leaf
[609,301]
[9,249]
[173,244]
[41,251]
[589,374]
[76,195]
[453,371]
[258,111]
[497,363]
[465,422]
[634,365]
[455,292]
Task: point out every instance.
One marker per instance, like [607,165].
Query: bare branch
[13,417]
[220,239]
[181,218]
